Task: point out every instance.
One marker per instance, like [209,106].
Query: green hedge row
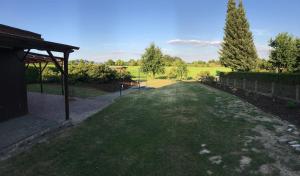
[32,75]
[79,71]
[284,78]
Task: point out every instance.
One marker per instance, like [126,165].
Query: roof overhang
[16,38]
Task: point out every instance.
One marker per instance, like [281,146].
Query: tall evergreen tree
[229,51]
[238,50]
[247,51]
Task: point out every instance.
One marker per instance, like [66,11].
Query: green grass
[75,91]
[157,132]
[192,71]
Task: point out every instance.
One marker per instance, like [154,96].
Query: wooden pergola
[26,41]
[37,60]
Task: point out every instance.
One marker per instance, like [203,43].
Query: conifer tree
[247,55]
[229,51]
[238,50]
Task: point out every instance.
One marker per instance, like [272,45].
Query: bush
[205,76]
[51,74]
[32,75]
[171,74]
[100,73]
[79,71]
[202,75]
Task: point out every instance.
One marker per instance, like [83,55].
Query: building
[15,53]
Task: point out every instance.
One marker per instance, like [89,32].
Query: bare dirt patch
[279,138]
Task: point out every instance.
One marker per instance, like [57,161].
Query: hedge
[32,75]
[79,71]
[284,78]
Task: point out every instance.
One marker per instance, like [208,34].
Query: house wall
[13,93]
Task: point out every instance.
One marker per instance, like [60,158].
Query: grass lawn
[75,91]
[156,132]
[192,71]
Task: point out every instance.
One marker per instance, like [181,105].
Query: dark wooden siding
[13,93]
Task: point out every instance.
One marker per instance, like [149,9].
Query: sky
[122,29]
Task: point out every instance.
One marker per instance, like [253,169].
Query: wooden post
[66,86]
[255,86]
[234,83]
[244,84]
[62,83]
[298,93]
[273,89]
[41,77]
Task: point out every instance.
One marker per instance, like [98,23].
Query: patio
[47,114]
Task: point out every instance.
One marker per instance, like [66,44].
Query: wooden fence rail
[270,89]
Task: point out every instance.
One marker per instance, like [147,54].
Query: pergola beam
[55,61]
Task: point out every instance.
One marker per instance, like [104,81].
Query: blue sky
[104,29]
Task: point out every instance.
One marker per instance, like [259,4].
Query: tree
[213,63]
[199,64]
[169,60]
[132,62]
[298,54]
[120,62]
[181,69]
[238,50]
[283,57]
[229,51]
[152,61]
[247,55]
[110,62]
[263,64]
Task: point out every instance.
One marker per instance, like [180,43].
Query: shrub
[32,75]
[205,76]
[202,75]
[171,74]
[100,73]
[79,71]
[51,74]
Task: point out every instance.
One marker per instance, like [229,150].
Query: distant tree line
[168,62]
[210,63]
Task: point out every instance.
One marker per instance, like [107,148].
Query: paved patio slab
[46,113]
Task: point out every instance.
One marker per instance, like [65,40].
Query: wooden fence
[271,89]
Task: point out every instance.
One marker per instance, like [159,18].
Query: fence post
[234,83]
[255,86]
[297,93]
[273,89]
[244,84]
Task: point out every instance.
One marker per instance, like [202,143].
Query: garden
[170,130]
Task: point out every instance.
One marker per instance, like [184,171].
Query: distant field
[192,71]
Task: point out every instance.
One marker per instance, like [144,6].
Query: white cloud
[201,43]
